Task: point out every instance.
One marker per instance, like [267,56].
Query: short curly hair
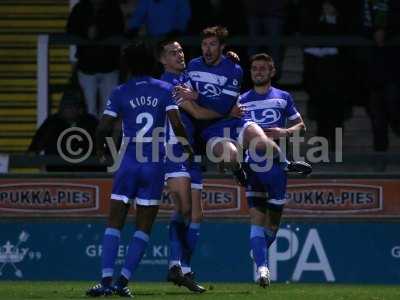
[139,58]
[221,33]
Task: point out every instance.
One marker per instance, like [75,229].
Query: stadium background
[349,236]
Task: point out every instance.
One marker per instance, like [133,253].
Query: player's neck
[262,89]
[214,63]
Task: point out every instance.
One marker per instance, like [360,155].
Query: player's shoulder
[195,63]
[233,66]
[160,84]
[119,90]
[245,96]
[280,93]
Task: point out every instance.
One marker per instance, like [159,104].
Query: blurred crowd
[336,78]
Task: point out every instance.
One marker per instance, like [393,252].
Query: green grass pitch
[216,291]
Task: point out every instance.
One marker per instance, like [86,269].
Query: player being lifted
[218,80]
[184,180]
[270,108]
[143,104]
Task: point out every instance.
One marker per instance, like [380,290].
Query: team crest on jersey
[209,90]
[267,116]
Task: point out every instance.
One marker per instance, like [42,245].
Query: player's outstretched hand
[233,56]
[185,93]
[237,111]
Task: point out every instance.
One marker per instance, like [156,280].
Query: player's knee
[175,196]
[230,153]
[226,150]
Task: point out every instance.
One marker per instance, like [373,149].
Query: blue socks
[109,254]
[191,238]
[258,245]
[136,250]
[182,241]
[270,236]
[176,237]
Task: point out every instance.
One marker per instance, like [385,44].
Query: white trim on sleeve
[295,116]
[171,107]
[230,93]
[110,113]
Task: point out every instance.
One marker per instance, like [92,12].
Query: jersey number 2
[148,121]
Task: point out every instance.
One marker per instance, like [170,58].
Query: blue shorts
[175,169]
[138,181]
[267,189]
[232,129]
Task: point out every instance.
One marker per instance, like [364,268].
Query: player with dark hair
[218,80]
[270,108]
[184,180]
[143,103]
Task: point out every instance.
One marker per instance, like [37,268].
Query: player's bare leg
[179,190]
[228,152]
[255,139]
[117,214]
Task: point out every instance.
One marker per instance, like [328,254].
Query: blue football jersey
[272,109]
[218,86]
[142,104]
[187,120]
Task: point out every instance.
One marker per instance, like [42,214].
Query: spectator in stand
[160,17]
[71,114]
[383,102]
[267,18]
[377,67]
[322,77]
[97,66]
[127,8]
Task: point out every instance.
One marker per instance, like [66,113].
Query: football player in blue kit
[184,180]
[271,109]
[218,80]
[143,103]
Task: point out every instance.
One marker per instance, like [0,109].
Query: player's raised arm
[103,130]
[199,112]
[179,130]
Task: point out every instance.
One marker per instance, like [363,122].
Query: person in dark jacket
[97,66]
[328,104]
[71,114]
